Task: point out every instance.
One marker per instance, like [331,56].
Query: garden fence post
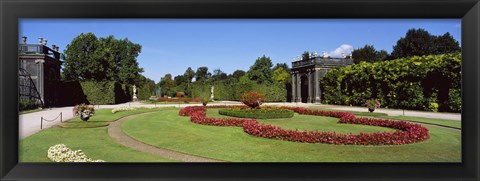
[61,117]
[41,123]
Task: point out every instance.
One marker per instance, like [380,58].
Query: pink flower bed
[406,132]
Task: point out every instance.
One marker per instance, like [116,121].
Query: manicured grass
[314,123]
[95,142]
[166,129]
[103,117]
[441,122]
[370,114]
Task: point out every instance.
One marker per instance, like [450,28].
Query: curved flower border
[406,133]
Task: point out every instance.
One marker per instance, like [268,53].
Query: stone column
[294,88]
[317,85]
[299,87]
[309,76]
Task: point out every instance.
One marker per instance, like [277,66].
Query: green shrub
[261,113]
[106,92]
[402,83]
[26,104]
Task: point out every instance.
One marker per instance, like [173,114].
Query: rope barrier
[47,120]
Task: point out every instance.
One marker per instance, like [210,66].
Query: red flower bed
[197,115]
[407,132]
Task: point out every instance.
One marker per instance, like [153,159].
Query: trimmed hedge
[429,83]
[232,92]
[106,92]
[262,113]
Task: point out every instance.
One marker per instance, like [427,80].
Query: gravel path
[115,131]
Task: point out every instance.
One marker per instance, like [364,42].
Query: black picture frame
[12,11]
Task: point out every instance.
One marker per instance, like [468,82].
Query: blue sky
[173,45]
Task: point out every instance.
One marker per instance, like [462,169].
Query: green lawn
[103,117]
[440,122]
[95,142]
[168,130]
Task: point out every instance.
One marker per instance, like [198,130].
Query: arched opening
[304,88]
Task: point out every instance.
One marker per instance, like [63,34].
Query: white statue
[211,93]
[134,93]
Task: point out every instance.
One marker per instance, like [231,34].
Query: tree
[281,76]
[219,75]
[89,58]
[179,79]
[201,74]
[368,54]
[237,74]
[188,75]
[305,55]
[282,65]
[261,71]
[167,84]
[81,61]
[446,44]
[420,42]
[146,88]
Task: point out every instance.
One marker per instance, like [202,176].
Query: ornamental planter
[371,109]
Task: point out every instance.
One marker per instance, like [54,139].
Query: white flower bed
[61,153]
[119,109]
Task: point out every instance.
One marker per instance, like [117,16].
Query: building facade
[39,73]
[306,74]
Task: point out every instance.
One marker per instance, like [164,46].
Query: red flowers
[407,132]
[252,99]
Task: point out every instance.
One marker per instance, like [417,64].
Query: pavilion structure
[306,73]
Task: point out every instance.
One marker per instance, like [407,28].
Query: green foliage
[407,83]
[455,100]
[144,92]
[167,85]
[261,71]
[26,104]
[202,74]
[88,58]
[281,76]
[262,113]
[106,92]
[368,54]
[418,42]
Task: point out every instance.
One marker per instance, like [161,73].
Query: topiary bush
[263,113]
[252,99]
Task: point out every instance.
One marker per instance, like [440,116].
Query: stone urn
[85,115]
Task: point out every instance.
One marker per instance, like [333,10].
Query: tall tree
[237,74]
[89,58]
[179,79]
[188,75]
[81,61]
[420,42]
[167,84]
[305,55]
[261,71]
[201,73]
[446,44]
[282,65]
[219,75]
[368,53]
